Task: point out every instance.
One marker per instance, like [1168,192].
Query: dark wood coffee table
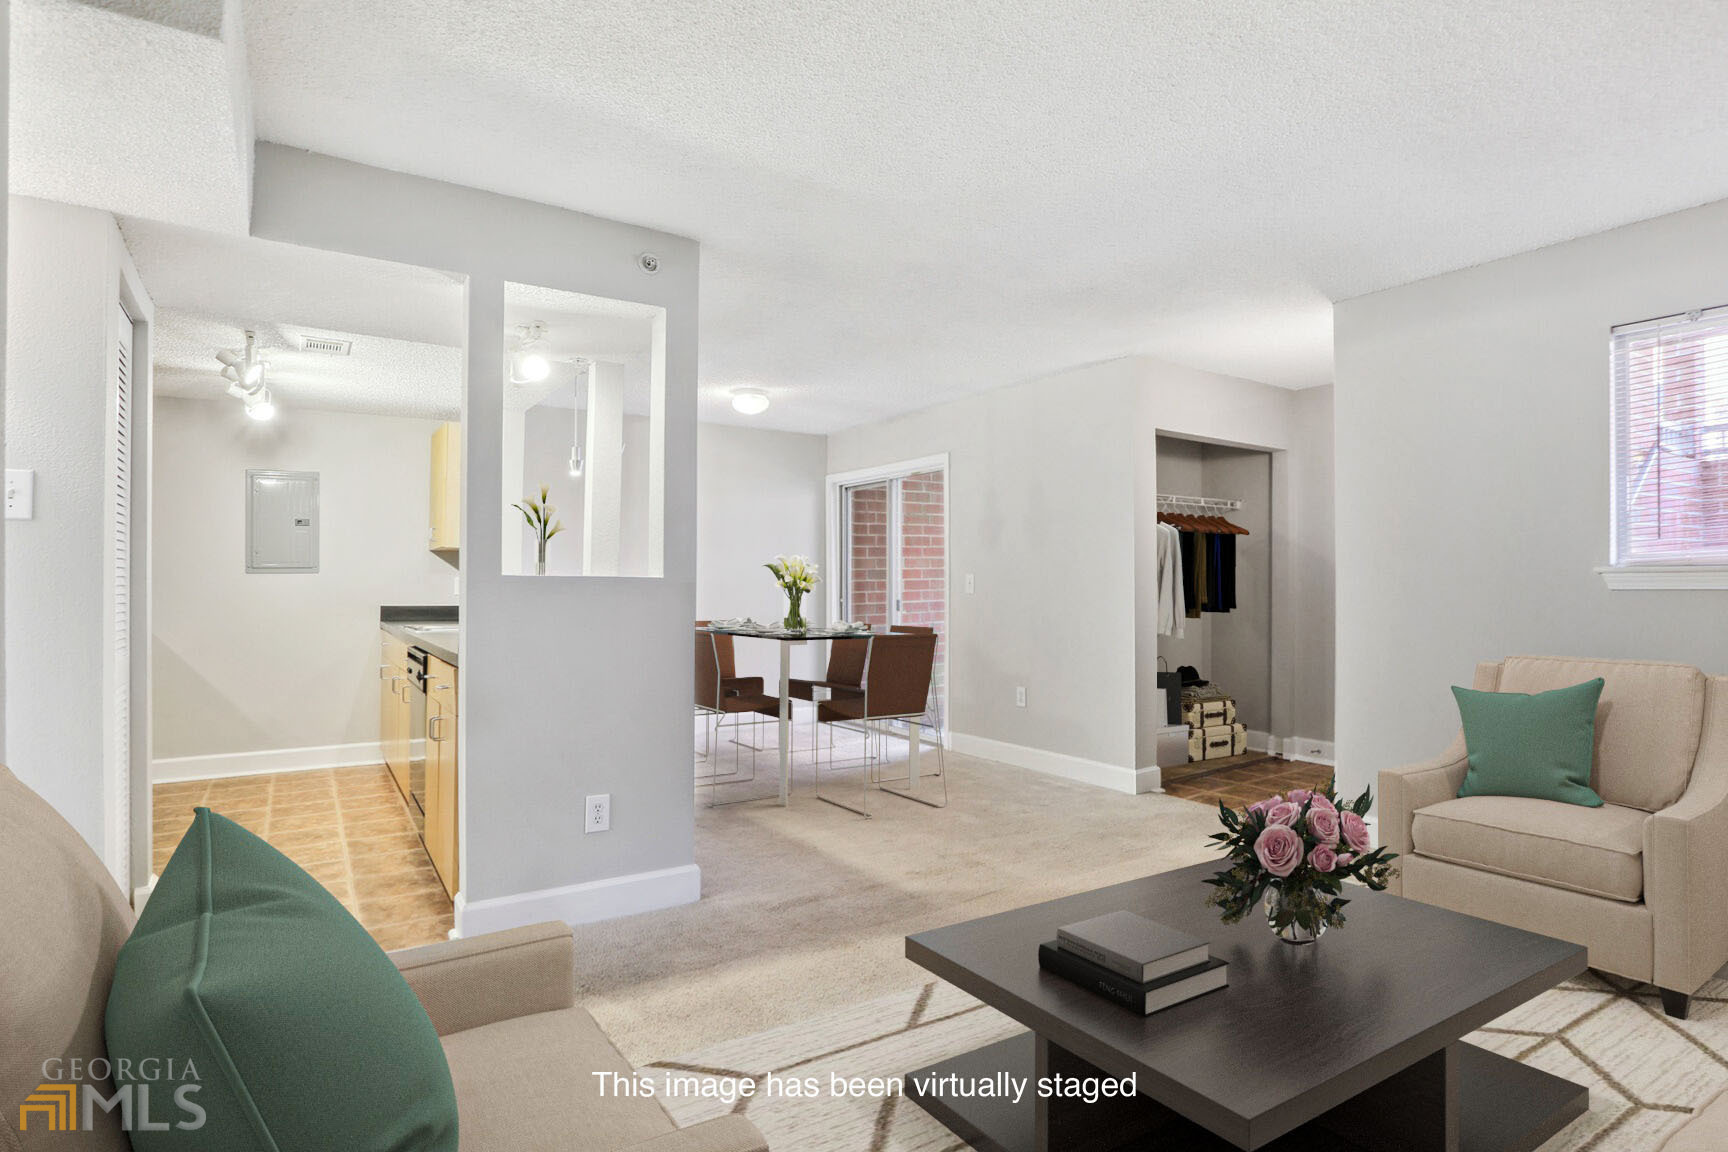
[1353,1042]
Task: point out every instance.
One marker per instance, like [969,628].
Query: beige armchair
[522,1054]
[1638,881]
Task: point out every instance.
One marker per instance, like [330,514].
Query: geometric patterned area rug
[1646,1073]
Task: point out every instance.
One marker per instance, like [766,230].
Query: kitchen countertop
[409,623]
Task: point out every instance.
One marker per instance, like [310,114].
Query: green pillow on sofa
[1539,745]
[246,978]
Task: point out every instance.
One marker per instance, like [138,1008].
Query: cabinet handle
[435,730]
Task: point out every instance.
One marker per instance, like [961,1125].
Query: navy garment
[1220,572]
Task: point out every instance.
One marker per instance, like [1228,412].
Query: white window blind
[1671,440]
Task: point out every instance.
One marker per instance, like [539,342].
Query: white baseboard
[1262,741]
[1313,751]
[178,768]
[581,903]
[1112,776]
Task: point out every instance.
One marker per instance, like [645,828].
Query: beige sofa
[1639,881]
[521,1053]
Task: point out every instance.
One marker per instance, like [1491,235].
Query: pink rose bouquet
[1300,847]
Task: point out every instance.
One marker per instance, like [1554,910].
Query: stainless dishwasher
[417,738]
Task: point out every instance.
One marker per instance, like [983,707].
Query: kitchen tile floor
[348,827]
[1244,784]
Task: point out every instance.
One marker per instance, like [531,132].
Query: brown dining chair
[715,701]
[730,681]
[896,686]
[932,722]
[845,677]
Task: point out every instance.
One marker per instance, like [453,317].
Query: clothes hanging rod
[1208,503]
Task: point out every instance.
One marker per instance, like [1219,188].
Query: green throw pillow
[248,993]
[1537,745]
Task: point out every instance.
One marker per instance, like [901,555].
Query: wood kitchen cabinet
[441,791]
[393,708]
[446,512]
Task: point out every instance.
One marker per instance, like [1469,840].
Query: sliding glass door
[891,562]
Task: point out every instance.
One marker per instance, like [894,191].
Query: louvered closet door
[119,678]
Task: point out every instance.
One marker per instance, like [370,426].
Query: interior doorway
[888,555]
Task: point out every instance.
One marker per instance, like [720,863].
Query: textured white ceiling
[381,376]
[136,106]
[901,201]
[257,282]
[406,324]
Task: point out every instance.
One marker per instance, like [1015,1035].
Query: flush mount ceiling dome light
[244,371]
[749,401]
[530,364]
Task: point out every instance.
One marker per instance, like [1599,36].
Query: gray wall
[1051,504]
[1312,552]
[604,659]
[1241,657]
[67,267]
[1041,513]
[5,207]
[1473,477]
[1295,428]
[247,662]
[758,494]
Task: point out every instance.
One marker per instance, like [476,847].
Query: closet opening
[1214,625]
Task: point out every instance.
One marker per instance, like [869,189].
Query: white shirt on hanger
[1172,604]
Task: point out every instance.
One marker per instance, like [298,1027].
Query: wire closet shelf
[1200,505]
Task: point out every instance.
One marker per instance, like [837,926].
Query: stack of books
[1134,961]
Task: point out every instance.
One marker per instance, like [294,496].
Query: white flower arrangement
[795,574]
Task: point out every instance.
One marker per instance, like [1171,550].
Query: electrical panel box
[281,521]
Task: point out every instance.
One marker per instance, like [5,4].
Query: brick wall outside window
[924,577]
[867,575]
[923,566]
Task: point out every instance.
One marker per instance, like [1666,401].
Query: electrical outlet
[971,584]
[1020,696]
[599,814]
[20,494]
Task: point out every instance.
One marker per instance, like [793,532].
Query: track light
[244,371]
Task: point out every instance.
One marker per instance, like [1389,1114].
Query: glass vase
[794,621]
[1293,932]
[540,561]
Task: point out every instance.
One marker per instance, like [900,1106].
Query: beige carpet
[1645,1073]
[805,909]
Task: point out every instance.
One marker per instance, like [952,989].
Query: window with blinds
[1671,440]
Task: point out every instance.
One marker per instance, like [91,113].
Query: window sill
[1664,577]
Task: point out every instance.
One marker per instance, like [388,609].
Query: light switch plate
[970,587]
[20,494]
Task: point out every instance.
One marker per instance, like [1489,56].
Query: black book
[1144,998]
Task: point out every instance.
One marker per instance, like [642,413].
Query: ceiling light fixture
[530,365]
[244,371]
[749,401]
